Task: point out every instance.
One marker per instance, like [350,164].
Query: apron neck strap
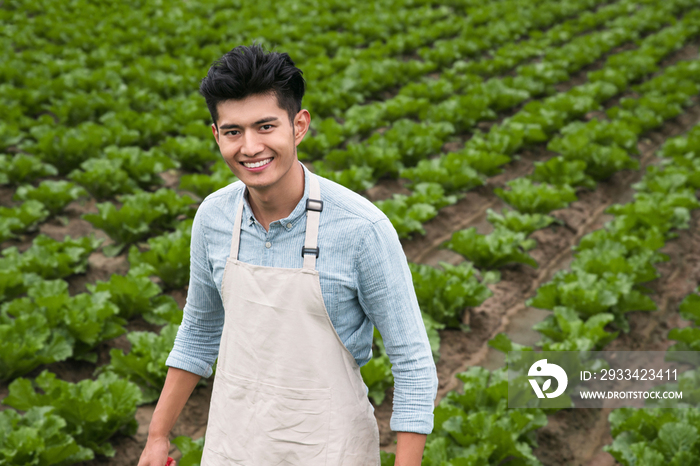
[314,206]
[236,236]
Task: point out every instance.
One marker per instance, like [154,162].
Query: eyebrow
[259,122]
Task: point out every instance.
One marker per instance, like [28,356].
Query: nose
[251,144]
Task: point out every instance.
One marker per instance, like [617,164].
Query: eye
[271,126]
[229,132]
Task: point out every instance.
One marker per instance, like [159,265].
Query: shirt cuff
[420,423]
[188,364]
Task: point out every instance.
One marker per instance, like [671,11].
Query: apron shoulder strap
[314,206]
[236,236]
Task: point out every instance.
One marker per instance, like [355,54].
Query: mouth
[257,166]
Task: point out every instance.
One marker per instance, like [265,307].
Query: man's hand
[156,452]
[409,448]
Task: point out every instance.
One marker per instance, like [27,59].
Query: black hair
[246,71]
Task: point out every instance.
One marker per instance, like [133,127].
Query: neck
[279,201]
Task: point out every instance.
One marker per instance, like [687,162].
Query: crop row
[369,79]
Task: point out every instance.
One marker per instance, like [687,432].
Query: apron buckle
[317,209]
[309,250]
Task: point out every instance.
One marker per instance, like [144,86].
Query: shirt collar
[292,218]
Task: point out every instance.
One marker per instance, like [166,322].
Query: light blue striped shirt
[365,281]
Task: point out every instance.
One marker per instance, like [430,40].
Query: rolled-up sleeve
[386,293]
[197,342]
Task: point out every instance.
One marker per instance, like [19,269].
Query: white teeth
[257,164]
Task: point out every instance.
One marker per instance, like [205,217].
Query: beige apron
[286,390]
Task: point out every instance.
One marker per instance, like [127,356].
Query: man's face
[256,131]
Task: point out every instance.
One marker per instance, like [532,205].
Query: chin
[259,182]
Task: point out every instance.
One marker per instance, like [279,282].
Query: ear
[215,132]
[301,125]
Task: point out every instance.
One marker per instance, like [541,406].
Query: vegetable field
[539,159]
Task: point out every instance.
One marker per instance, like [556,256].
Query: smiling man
[290,273]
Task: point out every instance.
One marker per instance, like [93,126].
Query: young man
[289,274]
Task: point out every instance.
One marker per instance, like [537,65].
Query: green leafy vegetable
[191,450]
[203,185]
[104,178]
[169,256]
[445,293]
[23,168]
[560,171]
[377,374]
[655,436]
[191,152]
[475,427]
[408,213]
[135,294]
[492,251]
[38,438]
[520,223]
[49,258]
[142,215]
[532,198]
[55,195]
[19,219]
[589,294]
[26,342]
[145,363]
[565,331]
[94,410]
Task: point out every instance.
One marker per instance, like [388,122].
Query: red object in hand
[171,462]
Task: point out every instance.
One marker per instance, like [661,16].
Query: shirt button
[289,225]
[268,245]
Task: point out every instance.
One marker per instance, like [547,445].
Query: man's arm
[386,293]
[178,387]
[409,448]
